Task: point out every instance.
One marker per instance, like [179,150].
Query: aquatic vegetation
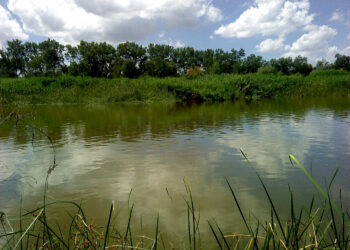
[207,88]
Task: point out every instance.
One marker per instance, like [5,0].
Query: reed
[207,88]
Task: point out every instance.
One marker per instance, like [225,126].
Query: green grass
[207,88]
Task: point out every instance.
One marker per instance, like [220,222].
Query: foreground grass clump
[207,88]
[325,226]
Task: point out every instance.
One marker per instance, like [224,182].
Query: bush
[267,70]
[193,73]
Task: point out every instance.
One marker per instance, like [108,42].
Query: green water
[104,152]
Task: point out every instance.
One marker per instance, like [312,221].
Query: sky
[318,29]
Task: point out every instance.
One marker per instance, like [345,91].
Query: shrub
[193,73]
[267,70]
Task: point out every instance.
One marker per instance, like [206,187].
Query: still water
[104,152]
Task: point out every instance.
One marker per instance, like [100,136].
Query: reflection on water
[105,151]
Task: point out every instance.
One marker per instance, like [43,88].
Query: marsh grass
[206,88]
[325,226]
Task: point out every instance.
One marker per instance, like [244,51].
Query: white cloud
[332,51]
[276,19]
[269,45]
[336,16]
[211,37]
[313,43]
[269,17]
[348,36]
[70,21]
[346,51]
[176,44]
[9,28]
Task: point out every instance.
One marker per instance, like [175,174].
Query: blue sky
[271,28]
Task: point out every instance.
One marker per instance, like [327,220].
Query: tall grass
[207,88]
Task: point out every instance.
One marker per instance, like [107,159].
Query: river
[105,151]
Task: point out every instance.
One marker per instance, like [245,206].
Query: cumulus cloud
[276,19]
[70,21]
[176,44]
[270,45]
[269,17]
[315,42]
[9,28]
[336,16]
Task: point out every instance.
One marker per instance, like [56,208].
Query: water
[104,152]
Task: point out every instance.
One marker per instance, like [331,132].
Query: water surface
[104,152]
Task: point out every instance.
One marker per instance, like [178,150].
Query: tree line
[50,58]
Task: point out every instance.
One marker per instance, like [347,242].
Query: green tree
[130,52]
[323,64]
[208,59]
[95,59]
[342,62]
[160,51]
[4,64]
[159,62]
[34,65]
[129,69]
[14,58]
[301,66]
[283,64]
[160,68]
[251,64]
[51,53]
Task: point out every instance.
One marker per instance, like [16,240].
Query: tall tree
[15,54]
[51,53]
[251,64]
[342,62]
[96,59]
[130,52]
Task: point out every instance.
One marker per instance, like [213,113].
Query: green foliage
[130,51]
[51,55]
[49,58]
[342,62]
[251,64]
[129,69]
[323,65]
[289,66]
[160,68]
[13,59]
[267,70]
[96,59]
[207,88]
[284,65]
[300,65]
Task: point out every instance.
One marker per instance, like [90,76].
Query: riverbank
[207,88]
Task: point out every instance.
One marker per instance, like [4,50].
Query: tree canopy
[49,58]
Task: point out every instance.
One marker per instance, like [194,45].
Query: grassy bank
[207,88]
